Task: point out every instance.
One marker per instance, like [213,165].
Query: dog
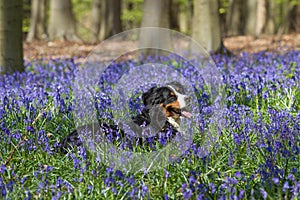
[163,108]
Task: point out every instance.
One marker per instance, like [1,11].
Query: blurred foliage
[223,6]
[82,12]
[131,13]
[26,15]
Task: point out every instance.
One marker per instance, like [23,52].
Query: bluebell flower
[275,180]
[241,194]
[59,182]
[131,180]
[2,169]
[187,194]
[166,197]
[145,190]
[167,174]
[119,174]
[285,186]
[212,188]
[263,193]
[90,189]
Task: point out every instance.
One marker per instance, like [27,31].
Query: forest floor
[236,45]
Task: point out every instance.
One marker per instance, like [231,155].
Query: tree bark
[174,14]
[206,27]
[261,18]
[251,17]
[235,18]
[62,24]
[155,14]
[37,28]
[295,19]
[286,17]
[116,11]
[270,21]
[96,19]
[110,22]
[11,49]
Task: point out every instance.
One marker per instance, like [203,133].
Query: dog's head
[171,98]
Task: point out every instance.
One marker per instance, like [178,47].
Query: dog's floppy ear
[149,96]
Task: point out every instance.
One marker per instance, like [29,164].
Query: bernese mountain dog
[163,108]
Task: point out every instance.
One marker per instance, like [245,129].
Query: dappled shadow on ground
[236,44]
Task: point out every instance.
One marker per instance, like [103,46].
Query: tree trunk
[286,17]
[37,21]
[11,49]
[96,18]
[174,14]
[261,17]
[116,11]
[185,17]
[206,27]
[110,18]
[270,21]
[295,19]
[251,17]
[155,14]
[62,24]
[235,18]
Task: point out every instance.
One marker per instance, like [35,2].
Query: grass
[255,156]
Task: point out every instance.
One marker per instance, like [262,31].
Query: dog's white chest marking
[174,123]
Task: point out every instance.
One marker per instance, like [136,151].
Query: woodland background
[66,28]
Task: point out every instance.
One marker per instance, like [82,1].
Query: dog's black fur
[163,97]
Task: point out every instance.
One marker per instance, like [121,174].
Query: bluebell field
[257,154]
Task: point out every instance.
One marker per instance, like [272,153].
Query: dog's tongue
[186,114]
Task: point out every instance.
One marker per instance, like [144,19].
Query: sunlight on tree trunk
[234,25]
[251,17]
[206,27]
[155,14]
[38,28]
[62,24]
[110,22]
[11,49]
[96,18]
[261,17]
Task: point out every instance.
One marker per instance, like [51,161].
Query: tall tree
[185,16]
[235,16]
[106,18]
[270,21]
[295,18]
[62,24]
[251,17]
[286,16]
[261,17]
[11,49]
[37,28]
[97,10]
[155,14]
[174,14]
[206,26]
